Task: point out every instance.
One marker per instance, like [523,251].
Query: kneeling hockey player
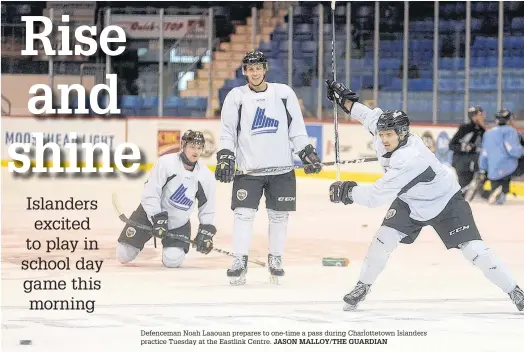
[422,191]
[176,181]
[502,157]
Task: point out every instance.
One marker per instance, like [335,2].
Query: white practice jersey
[263,129]
[174,189]
[412,173]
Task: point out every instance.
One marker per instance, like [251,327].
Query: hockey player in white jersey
[421,191]
[262,126]
[176,184]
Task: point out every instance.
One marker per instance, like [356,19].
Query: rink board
[155,136]
[424,287]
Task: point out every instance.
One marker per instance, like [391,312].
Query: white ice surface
[423,287]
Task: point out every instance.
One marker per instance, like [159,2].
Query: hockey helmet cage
[474,110]
[254,58]
[396,120]
[503,116]
[191,136]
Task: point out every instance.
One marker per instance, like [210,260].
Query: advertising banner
[168,142]
[437,140]
[148,26]
[356,142]
[167,134]
[20,130]
[156,137]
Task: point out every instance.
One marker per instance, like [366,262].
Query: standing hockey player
[502,157]
[421,191]
[465,145]
[260,122]
[175,183]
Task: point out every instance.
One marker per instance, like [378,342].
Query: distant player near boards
[501,159]
[176,184]
[422,191]
[465,145]
[262,126]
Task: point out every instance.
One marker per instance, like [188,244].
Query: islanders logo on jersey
[179,199]
[263,124]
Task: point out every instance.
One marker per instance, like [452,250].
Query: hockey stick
[335,108]
[130,222]
[295,167]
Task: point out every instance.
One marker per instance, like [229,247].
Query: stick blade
[116,206]
[333,5]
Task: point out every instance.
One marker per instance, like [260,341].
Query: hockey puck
[330,261]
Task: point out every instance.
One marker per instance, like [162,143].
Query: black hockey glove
[341,192]
[340,94]
[160,222]
[309,157]
[204,238]
[225,171]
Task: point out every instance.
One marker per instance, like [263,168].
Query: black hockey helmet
[254,58]
[474,110]
[191,136]
[396,120]
[503,116]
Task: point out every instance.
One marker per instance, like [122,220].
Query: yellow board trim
[515,187]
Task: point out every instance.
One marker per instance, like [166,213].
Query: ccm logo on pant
[462,228]
[285,199]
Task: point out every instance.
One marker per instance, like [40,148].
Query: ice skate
[275,269]
[517,296]
[496,196]
[471,190]
[237,273]
[356,296]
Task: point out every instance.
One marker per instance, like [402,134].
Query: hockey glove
[467,147]
[309,157]
[341,192]
[225,171]
[204,238]
[160,222]
[339,93]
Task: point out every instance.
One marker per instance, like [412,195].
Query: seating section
[192,101]
[484,54]
[273,39]
[173,106]
[135,105]
[145,103]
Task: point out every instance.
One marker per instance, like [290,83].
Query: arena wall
[15,88]
[156,136]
